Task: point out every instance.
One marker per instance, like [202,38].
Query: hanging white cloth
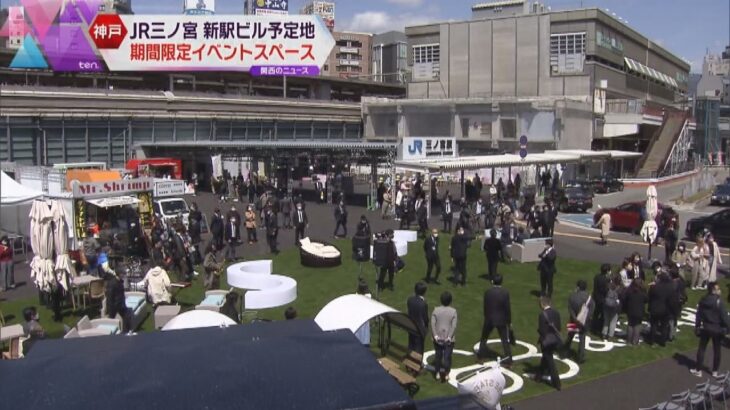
[41,228]
[64,267]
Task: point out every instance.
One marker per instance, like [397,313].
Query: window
[465,127]
[486,130]
[426,59]
[567,52]
[509,128]
[428,53]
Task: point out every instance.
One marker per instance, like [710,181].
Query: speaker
[361,248]
[381,249]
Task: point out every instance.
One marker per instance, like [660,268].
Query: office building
[390,57]
[572,79]
[350,58]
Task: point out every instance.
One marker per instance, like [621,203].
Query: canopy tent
[13,193]
[279,365]
[508,160]
[194,319]
[353,311]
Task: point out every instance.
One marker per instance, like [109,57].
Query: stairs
[661,145]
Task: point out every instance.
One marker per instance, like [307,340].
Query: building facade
[323,9]
[390,57]
[564,79]
[350,58]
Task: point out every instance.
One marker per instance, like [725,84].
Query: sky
[685,27]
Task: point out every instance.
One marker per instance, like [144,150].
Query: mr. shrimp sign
[89,190]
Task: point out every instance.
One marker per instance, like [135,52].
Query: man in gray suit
[443,329]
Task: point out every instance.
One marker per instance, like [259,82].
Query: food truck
[156,167]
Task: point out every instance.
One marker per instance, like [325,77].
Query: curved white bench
[265,290]
[405,236]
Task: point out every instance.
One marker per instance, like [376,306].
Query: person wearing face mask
[233,213]
[714,260]
[638,267]
[682,259]
[670,241]
[431,249]
[301,222]
[250,216]
[233,237]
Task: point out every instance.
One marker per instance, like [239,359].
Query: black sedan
[718,224]
[721,195]
[604,185]
[573,198]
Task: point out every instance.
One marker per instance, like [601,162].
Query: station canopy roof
[507,160]
[267,144]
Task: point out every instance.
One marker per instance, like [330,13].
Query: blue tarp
[278,365]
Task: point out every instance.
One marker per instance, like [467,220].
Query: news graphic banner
[68,36]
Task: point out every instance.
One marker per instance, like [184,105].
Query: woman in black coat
[635,300]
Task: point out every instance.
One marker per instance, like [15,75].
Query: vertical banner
[217,162]
[145,210]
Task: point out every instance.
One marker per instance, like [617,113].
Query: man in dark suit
[548,327]
[217,228]
[600,290]
[459,245]
[576,302]
[662,297]
[497,314]
[406,212]
[422,217]
[495,253]
[272,230]
[431,249]
[389,262]
[233,237]
[301,221]
[546,267]
[447,214]
[418,312]
[549,214]
[340,218]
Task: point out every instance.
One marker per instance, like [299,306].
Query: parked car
[573,198]
[718,224]
[721,195]
[630,217]
[606,184]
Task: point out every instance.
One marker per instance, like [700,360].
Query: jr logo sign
[416,147]
[431,147]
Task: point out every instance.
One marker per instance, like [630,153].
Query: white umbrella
[64,267]
[42,243]
[198,318]
[652,206]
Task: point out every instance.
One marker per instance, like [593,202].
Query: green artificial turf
[316,287]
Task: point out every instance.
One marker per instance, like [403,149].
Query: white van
[171,208]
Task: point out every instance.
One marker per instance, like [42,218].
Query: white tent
[352,311]
[15,200]
[12,193]
[198,318]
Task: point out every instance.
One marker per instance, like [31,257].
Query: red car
[630,217]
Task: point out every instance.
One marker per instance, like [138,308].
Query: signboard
[169,187]
[75,37]
[428,147]
[226,43]
[89,190]
[271,7]
[198,7]
[425,71]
